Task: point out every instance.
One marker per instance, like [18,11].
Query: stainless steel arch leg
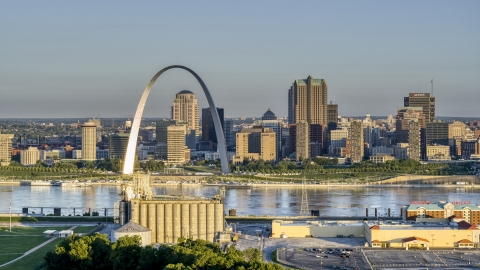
[132,142]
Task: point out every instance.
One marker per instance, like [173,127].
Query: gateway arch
[132,141]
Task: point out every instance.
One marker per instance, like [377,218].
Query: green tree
[126,252]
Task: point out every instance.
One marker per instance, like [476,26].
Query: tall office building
[255,143]
[208,127]
[437,132]
[89,141]
[271,121]
[185,109]
[302,140]
[317,139]
[307,101]
[5,149]
[404,116]
[176,144]
[414,141]
[332,113]
[356,141]
[228,131]
[118,145]
[423,100]
[161,129]
[292,100]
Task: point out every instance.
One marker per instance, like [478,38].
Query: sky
[84,58]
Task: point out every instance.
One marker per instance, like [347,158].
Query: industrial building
[171,217]
[424,225]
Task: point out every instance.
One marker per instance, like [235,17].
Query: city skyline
[80,60]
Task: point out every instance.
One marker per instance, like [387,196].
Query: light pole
[10,208]
[454,240]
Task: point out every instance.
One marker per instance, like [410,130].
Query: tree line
[97,252]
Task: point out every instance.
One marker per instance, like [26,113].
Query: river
[280,201]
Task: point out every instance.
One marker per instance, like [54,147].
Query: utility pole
[304,206]
[10,215]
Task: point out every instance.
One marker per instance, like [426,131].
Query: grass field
[96,219]
[14,244]
[34,260]
[26,231]
[84,229]
[21,239]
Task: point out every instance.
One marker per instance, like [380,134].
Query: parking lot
[312,260]
[422,258]
[292,251]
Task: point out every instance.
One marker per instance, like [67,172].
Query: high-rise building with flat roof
[161,129]
[403,125]
[308,101]
[423,100]
[356,141]
[255,143]
[185,109]
[437,132]
[303,140]
[414,139]
[332,113]
[176,144]
[208,127]
[5,149]
[118,145]
[89,141]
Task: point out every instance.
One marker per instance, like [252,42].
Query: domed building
[131,229]
[269,115]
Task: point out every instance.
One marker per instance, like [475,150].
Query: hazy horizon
[70,59]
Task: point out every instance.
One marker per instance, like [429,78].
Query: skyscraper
[176,144]
[302,140]
[228,131]
[89,141]
[308,101]
[332,113]
[423,100]
[161,129]
[270,120]
[414,142]
[356,141]
[208,128]
[118,145]
[185,109]
[403,125]
[5,149]
[437,132]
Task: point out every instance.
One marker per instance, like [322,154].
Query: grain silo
[171,217]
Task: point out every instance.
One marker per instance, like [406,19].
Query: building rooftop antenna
[432,87]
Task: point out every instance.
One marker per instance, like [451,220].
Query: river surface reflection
[281,201]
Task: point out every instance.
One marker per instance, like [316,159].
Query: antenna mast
[304,207]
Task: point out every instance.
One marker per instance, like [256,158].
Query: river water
[279,201]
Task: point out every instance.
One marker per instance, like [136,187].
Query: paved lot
[291,250]
[423,258]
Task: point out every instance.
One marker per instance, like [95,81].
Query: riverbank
[289,185]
